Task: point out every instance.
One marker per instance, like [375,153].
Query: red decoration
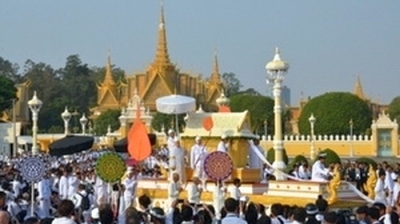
[208,123]
[224,109]
[139,146]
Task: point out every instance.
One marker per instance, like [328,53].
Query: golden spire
[162,56]
[108,78]
[215,75]
[358,91]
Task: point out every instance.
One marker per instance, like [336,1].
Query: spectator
[157,215]
[373,215]
[330,218]
[277,214]
[361,214]
[5,217]
[66,211]
[106,214]
[299,216]
[232,212]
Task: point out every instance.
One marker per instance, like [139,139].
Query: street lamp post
[276,70]
[34,105]
[66,116]
[351,138]
[312,120]
[83,122]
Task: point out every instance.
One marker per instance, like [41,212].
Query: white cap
[170,131]
[224,136]
[198,138]
[176,139]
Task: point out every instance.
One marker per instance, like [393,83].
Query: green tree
[299,159]
[109,117]
[367,161]
[250,91]
[8,92]
[231,83]
[44,80]
[167,121]
[394,109]
[271,156]
[259,107]
[9,70]
[79,88]
[333,112]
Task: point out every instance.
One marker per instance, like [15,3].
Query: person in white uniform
[174,189]
[177,161]
[319,171]
[44,190]
[194,191]
[254,159]
[198,154]
[223,145]
[171,139]
[234,191]
[380,190]
[130,184]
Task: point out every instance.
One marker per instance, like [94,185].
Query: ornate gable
[157,88]
[213,95]
[108,98]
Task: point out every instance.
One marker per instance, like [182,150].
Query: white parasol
[175,104]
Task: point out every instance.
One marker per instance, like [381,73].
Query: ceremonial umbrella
[122,144]
[70,144]
[175,104]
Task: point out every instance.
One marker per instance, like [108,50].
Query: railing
[321,138]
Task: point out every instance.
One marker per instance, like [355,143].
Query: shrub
[271,156]
[331,156]
[297,159]
[368,161]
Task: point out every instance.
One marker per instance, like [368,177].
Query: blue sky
[327,43]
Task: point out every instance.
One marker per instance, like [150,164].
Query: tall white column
[34,105]
[312,120]
[276,70]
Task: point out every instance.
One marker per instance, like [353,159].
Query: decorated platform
[284,192]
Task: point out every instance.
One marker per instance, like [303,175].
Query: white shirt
[171,142]
[231,218]
[63,187]
[44,188]
[389,183]
[319,172]
[63,220]
[396,190]
[194,194]
[380,195]
[198,154]
[173,191]
[130,187]
[17,186]
[235,193]
[73,183]
[222,147]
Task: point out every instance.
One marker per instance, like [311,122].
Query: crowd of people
[72,193]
